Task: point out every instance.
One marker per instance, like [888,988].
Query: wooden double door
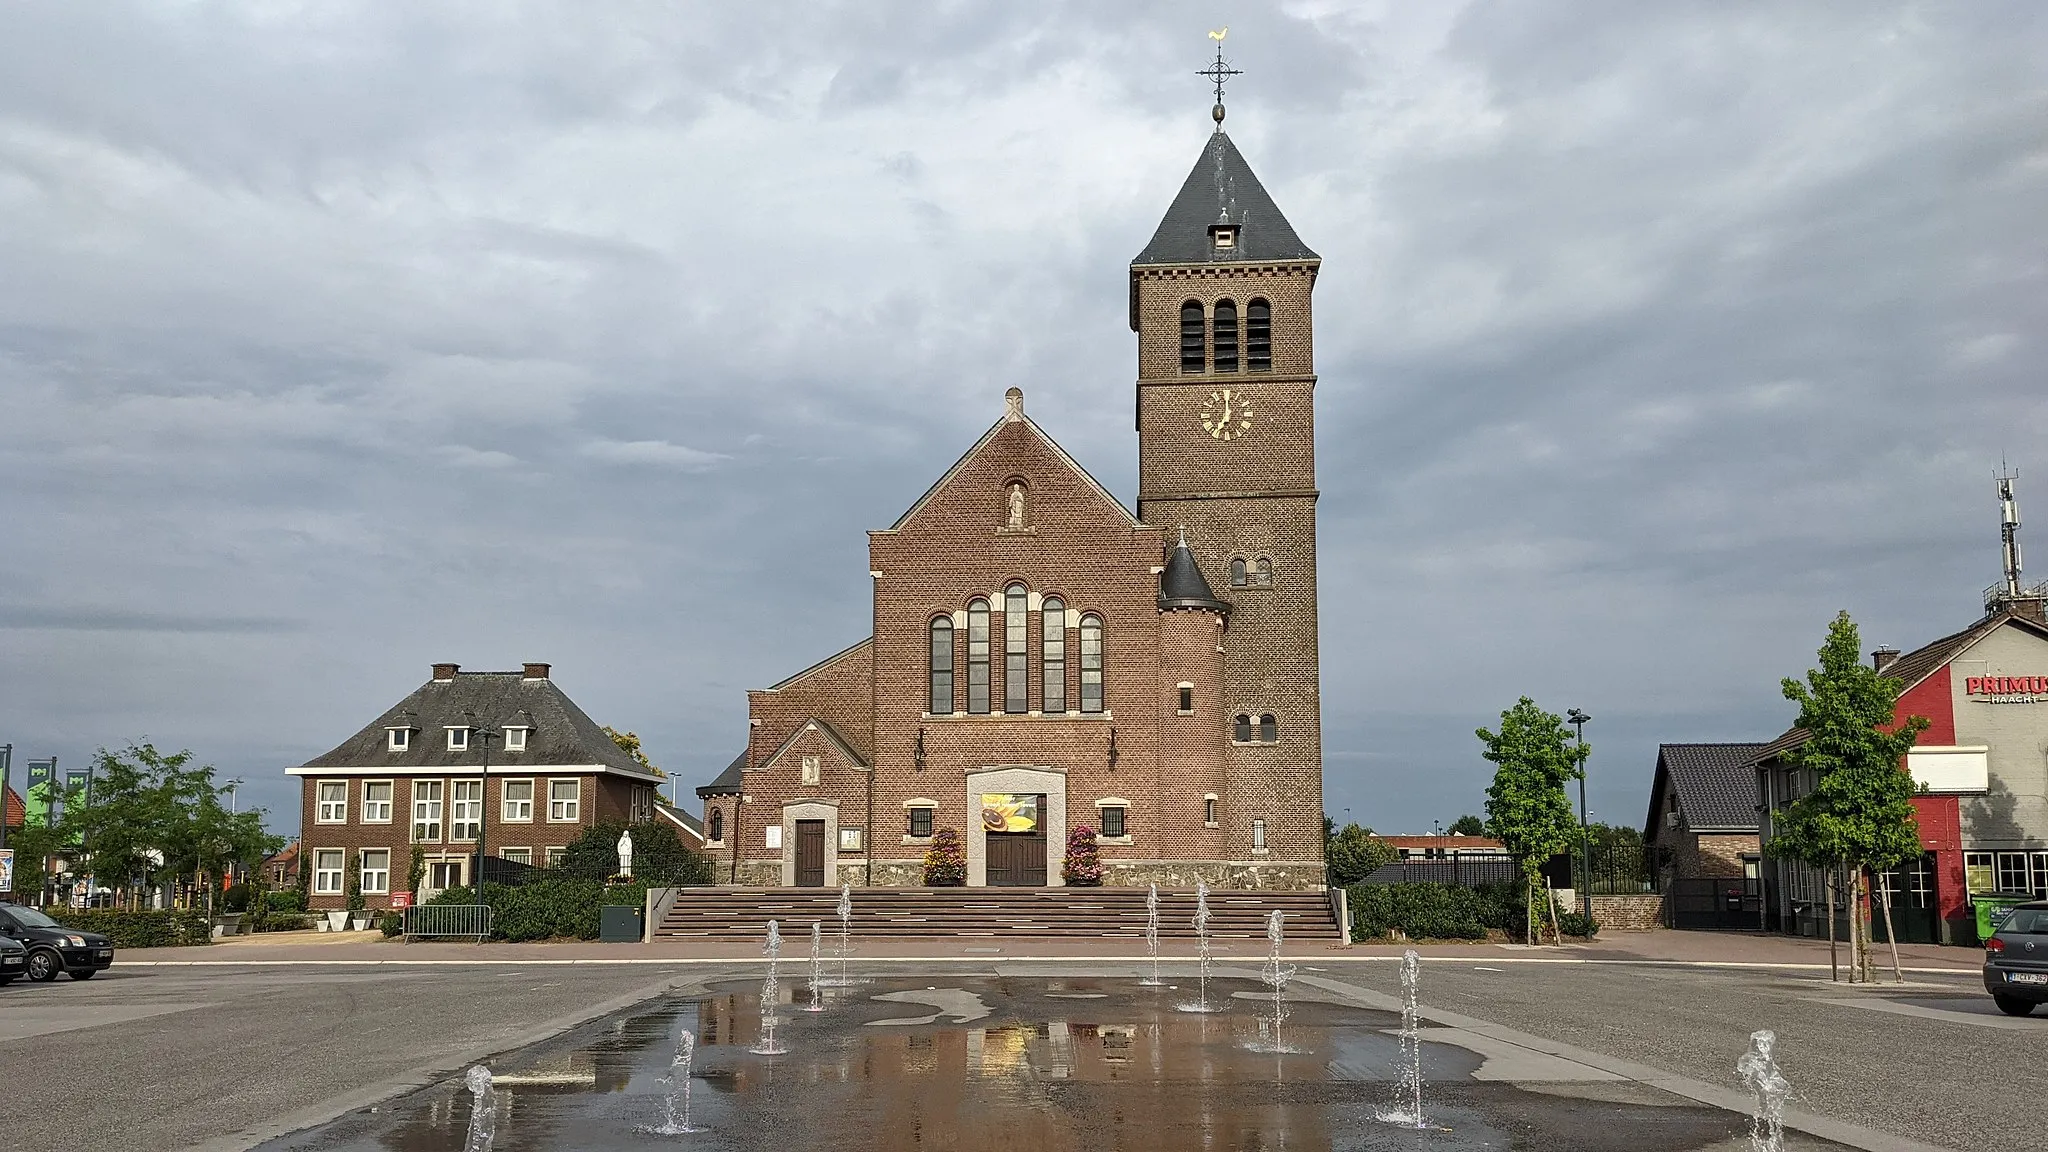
[1016,859]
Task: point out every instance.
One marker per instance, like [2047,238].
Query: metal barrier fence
[448,922]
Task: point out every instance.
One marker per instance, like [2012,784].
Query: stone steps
[1021,913]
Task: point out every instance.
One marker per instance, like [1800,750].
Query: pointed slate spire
[1181,585]
[1222,190]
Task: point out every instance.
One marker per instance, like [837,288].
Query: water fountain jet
[678,1095]
[1768,1086]
[1152,937]
[1201,1001]
[483,1110]
[1407,1107]
[770,994]
[1275,975]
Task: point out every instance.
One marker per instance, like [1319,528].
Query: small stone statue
[626,854]
[1016,505]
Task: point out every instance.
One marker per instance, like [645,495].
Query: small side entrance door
[810,853]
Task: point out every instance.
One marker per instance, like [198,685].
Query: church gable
[1016,478]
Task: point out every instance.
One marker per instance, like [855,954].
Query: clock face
[1226,415]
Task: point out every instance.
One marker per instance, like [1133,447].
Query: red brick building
[414,779]
[1044,657]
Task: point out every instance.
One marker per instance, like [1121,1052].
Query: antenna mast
[2009,527]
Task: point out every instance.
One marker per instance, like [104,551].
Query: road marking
[1981,1020]
[1484,968]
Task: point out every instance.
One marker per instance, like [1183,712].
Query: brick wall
[1628,913]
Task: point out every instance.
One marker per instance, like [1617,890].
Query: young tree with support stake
[1527,808]
[1859,816]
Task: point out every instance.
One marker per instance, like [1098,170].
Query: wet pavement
[1028,1063]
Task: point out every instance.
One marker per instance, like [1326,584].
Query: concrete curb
[335,1107]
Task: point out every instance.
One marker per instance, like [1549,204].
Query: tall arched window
[1054,660]
[1262,576]
[977,656]
[1258,336]
[1237,577]
[1269,729]
[1091,663]
[717,832]
[941,701]
[1226,336]
[1191,337]
[1016,673]
[1241,729]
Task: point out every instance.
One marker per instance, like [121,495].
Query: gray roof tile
[1716,784]
[1222,190]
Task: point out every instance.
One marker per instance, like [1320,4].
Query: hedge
[1433,911]
[546,909]
[140,929]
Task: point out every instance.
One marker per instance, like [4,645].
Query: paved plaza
[234,1044]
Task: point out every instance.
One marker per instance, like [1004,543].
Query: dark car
[53,948]
[2016,960]
[13,959]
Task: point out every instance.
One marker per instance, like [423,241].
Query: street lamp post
[483,735]
[6,786]
[1578,721]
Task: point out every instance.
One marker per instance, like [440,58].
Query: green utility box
[620,924]
[1992,907]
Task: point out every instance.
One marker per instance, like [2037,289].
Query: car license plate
[106,953]
[2026,977]
[10,960]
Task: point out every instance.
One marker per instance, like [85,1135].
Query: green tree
[659,855]
[1355,853]
[1467,825]
[1527,808]
[629,743]
[1859,813]
[143,805]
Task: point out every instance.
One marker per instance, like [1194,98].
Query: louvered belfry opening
[1258,336]
[1226,336]
[1191,359]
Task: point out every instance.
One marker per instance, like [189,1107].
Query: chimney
[1883,657]
[446,672]
[536,671]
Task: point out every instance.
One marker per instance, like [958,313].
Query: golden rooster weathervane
[1219,72]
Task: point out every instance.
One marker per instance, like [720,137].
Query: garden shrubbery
[548,909]
[1433,911]
[140,929]
[945,862]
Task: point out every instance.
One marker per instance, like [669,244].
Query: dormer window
[1223,235]
[458,738]
[515,738]
[397,739]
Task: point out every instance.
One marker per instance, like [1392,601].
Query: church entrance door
[810,853]
[1016,840]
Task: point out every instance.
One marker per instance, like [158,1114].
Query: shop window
[1977,871]
[2012,872]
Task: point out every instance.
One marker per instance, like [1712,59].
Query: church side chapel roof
[1222,190]
[728,782]
[825,729]
[1182,585]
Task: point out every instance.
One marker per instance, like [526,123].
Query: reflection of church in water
[1044,656]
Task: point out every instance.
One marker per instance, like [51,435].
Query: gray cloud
[338,343]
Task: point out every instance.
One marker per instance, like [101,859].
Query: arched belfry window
[1091,663]
[1269,729]
[1237,572]
[1241,729]
[1226,336]
[941,703]
[1191,337]
[1054,660]
[1262,574]
[977,656]
[1258,336]
[1016,674]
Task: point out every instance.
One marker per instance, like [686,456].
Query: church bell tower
[1221,302]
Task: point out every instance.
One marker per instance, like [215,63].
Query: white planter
[337,921]
[359,923]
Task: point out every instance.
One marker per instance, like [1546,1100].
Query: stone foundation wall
[1219,874]
[1628,913]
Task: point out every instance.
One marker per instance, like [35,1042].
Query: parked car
[53,948]
[13,959]
[2016,960]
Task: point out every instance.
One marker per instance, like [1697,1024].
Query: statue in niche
[1016,504]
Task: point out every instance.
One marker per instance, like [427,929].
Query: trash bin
[619,924]
[1992,907]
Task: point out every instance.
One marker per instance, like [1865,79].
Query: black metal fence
[518,873]
[1617,870]
[1468,870]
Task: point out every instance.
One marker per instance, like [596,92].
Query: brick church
[1043,658]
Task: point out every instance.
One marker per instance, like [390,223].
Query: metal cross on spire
[1220,73]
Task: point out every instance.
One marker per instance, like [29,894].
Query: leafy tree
[1859,814]
[659,855]
[144,803]
[629,743]
[1467,825]
[1527,808]
[1355,853]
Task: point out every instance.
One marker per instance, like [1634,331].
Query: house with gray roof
[1703,816]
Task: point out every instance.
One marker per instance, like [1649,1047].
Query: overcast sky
[337,339]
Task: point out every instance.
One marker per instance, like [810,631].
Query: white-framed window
[516,855]
[333,808]
[1977,871]
[397,739]
[426,811]
[458,738]
[515,803]
[376,871]
[810,771]
[515,738]
[772,836]
[376,801]
[1209,810]
[327,872]
[643,804]
[553,856]
[1187,699]
[565,800]
[466,810]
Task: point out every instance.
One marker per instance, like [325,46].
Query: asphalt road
[220,1057]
